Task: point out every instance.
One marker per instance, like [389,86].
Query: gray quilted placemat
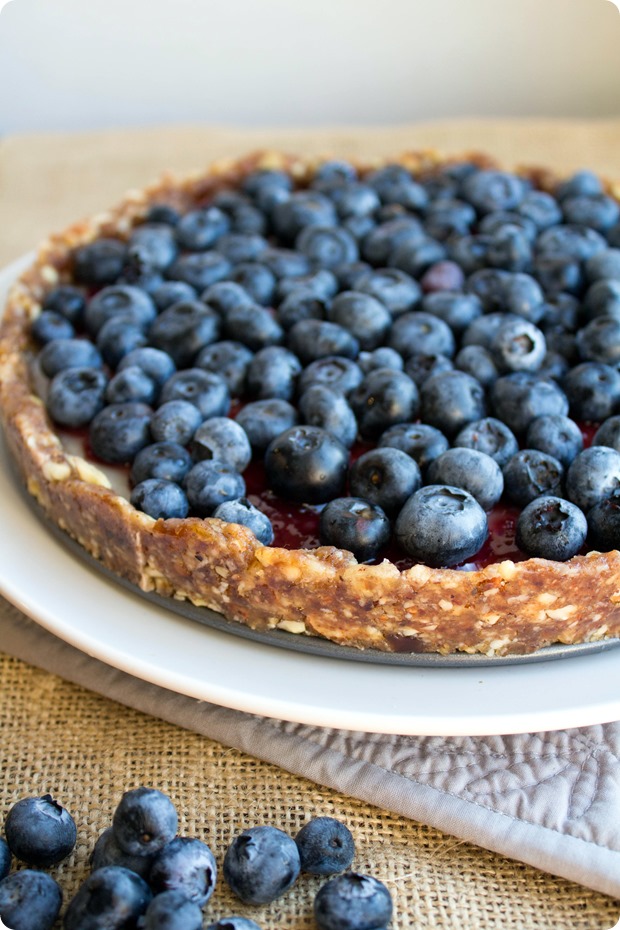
[551,799]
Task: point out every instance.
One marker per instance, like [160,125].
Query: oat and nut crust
[505,608]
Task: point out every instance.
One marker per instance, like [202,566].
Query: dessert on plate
[375,403]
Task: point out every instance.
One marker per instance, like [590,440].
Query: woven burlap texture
[87,750]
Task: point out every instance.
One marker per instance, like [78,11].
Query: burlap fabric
[87,749]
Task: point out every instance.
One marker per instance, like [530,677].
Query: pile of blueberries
[146,877]
[399,351]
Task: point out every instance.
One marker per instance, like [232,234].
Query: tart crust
[504,608]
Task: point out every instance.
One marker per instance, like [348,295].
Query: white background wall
[77,64]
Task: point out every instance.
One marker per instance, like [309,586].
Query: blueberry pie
[378,404]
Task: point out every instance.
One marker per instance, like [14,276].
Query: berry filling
[405,367]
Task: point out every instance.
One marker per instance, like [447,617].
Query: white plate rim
[90,612]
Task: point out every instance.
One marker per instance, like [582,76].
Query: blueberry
[242,511]
[558,272]
[131,383]
[234,923]
[518,346]
[171,910]
[593,391]
[385,397]
[200,229]
[187,865]
[489,190]
[605,264]
[382,241]
[457,310]
[184,329]
[325,846]
[264,179]
[162,213]
[354,200]
[100,262]
[416,259]
[171,292]
[386,477]
[592,476]
[420,441]
[167,460]
[490,436]
[570,241]
[520,397]
[263,420]
[356,525]
[352,902]
[492,223]
[152,246]
[200,269]
[210,483]
[273,372]
[111,897]
[306,464]
[320,406]
[488,284]
[261,864]
[175,421]
[557,436]
[529,474]
[285,263]
[580,184]
[604,524]
[551,528]
[393,288]
[450,400]
[441,525]
[257,280]
[419,367]
[50,325]
[449,217]
[225,296]
[118,337]
[327,247]
[242,247]
[541,208]
[509,248]
[383,357]
[68,301]
[229,360]
[364,316]
[445,275]
[599,340]
[598,212]
[608,434]
[5,858]
[333,174]
[394,184]
[76,395]
[478,362]
[314,339]
[340,374]
[349,274]
[119,299]
[153,362]
[223,439]
[299,305]
[323,284]
[421,333]
[144,820]
[470,252]
[61,354]
[118,432]
[107,852]
[523,295]
[302,209]
[206,390]
[254,326]
[471,470]
[29,901]
[40,831]
[603,299]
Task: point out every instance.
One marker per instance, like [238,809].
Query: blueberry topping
[385,397]
[166,460]
[450,400]
[119,431]
[175,421]
[386,477]
[557,436]
[441,525]
[604,523]
[205,389]
[40,831]
[320,406]
[306,464]
[472,470]
[490,436]
[223,440]
[50,325]
[100,262]
[76,395]
[60,354]
[68,301]
[228,359]
[419,440]
[592,476]
[263,420]
[261,864]
[242,511]
[529,474]
[355,524]
[551,528]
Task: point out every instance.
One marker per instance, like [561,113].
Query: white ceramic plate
[84,608]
